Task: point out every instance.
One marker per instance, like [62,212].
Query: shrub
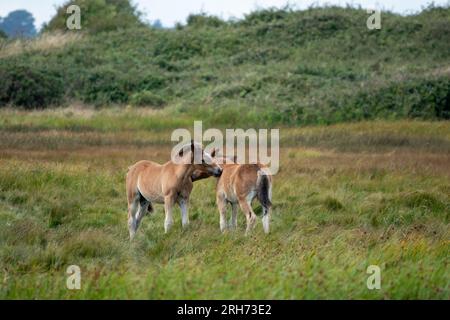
[203,20]
[266,15]
[179,46]
[422,98]
[98,15]
[29,86]
[147,98]
[232,90]
[104,85]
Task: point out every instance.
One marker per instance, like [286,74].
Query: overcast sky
[172,11]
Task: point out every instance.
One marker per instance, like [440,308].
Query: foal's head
[202,173]
[194,154]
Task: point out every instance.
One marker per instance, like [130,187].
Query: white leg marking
[184,213]
[234,212]
[132,226]
[266,222]
[223,221]
[222,206]
[168,222]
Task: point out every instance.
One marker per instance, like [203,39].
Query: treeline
[17,24]
[320,65]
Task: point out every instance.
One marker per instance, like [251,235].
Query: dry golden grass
[46,42]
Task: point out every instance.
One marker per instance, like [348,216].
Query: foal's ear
[213,152]
[181,152]
[192,151]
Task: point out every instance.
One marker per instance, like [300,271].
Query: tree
[3,35]
[157,24]
[98,15]
[202,20]
[19,23]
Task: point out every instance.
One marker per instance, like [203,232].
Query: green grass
[337,210]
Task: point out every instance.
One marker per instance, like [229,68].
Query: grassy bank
[274,67]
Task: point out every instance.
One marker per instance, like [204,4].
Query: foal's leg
[133,207]
[246,207]
[266,218]
[184,206]
[234,212]
[222,205]
[169,201]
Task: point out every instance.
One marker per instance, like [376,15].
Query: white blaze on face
[207,157]
[212,166]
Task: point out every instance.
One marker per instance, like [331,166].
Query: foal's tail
[264,194]
[264,189]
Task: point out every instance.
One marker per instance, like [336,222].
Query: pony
[239,185]
[148,182]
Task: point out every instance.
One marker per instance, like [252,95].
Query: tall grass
[43,44]
[336,211]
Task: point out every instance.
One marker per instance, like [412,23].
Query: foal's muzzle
[217,172]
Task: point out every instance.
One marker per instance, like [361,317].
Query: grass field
[347,196]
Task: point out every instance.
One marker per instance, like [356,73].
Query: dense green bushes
[422,98]
[30,87]
[147,98]
[320,65]
[203,20]
[103,86]
[418,98]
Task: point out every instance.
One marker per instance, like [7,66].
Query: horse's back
[143,167]
[237,180]
[240,180]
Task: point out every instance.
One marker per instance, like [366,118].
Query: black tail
[263,191]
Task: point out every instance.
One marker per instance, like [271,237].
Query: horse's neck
[183,171]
